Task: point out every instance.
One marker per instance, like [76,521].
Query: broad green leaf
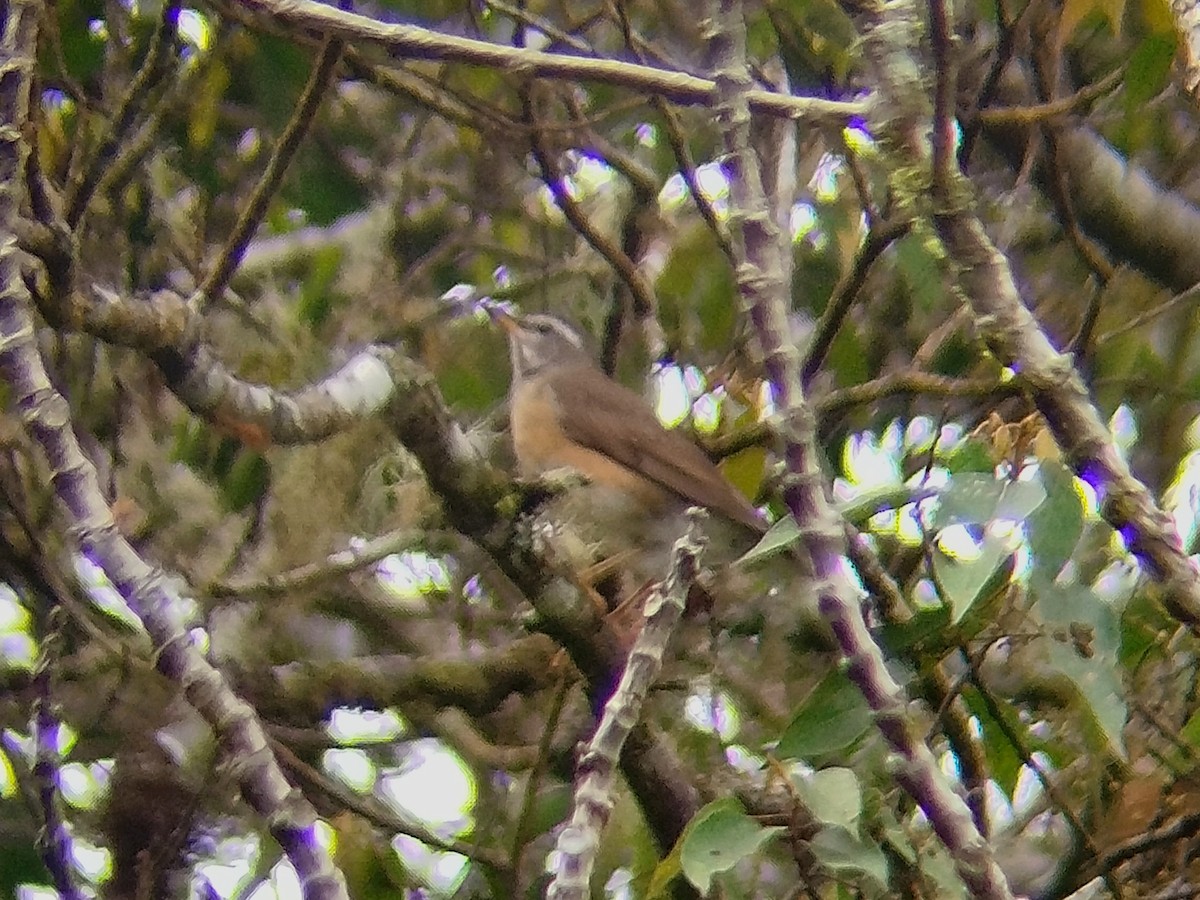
[976,498]
[1099,688]
[694,291]
[1149,68]
[1064,605]
[551,805]
[1191,731]
[926,632]
[317,291]
[838,850]
[832,795]
[1083,647]
[1076,12]
[82,50]
[972,455]
[859,509]
[939,868]
[246,481]
[717,839]
[665,872]
[1143,623]
[1003,761]
[204,110]
[963,582]
[847,357]
[833,717]
[746,468]
[1055,526]
[920,268]
[895,836]
[782,534]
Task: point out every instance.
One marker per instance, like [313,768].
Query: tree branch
[412,42]
[48,420]
[763,287]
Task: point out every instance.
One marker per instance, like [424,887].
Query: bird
[566,415]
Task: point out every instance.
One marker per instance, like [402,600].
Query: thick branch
[763,283]
[48,420]
[579,841]
[1117,203]
[413,42]
[476,684]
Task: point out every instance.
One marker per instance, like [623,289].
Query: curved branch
[412,42]
[289,142]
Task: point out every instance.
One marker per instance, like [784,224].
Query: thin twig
[272,177]
[879,238]
[378,814]
[1151,314]
[83,186]
[555,179]
[343,562]
[1040,112]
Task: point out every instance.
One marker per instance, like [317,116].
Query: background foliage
[362,594]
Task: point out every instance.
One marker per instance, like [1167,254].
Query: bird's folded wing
[613,420]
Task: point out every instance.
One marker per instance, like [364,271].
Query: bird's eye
[542,327]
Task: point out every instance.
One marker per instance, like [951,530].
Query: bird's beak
[503,319]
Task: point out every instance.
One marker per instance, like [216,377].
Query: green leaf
[1004,763]
[694,291]
[832,795]
[972,455]
[838,850]
[938,867]
[976,498]
[926,632]
[895,836]
[859,509]
[834,716]
[81,49]
[1143,623]
[779,536]
[717,839]
[1076,12]
[1073,604]
[962,583]
[1191,731]
[317,292]
[246,481]
[1099,688]
[1090,663]
[1055,526]
[746,468]
[1149,68]
[665,872]
[918,264]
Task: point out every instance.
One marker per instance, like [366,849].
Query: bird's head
[538,341]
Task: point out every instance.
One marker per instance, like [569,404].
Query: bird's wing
[611,419]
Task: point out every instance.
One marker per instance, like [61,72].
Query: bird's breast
[541,445]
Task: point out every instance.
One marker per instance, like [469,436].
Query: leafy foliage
[349,579]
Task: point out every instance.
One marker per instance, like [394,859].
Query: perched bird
[566,414]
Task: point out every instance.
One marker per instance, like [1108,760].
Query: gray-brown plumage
[568,415]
